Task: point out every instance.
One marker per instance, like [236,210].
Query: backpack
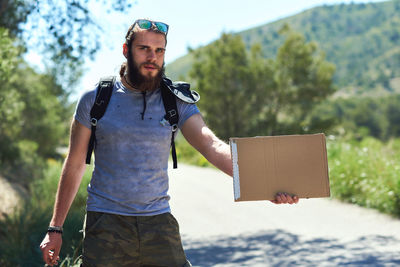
[169,92]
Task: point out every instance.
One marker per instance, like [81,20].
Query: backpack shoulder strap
[170,91]
[171,115]
[103,95]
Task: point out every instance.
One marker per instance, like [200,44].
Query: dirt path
[10,196]
[216,231]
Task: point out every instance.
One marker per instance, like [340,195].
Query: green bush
[187,154]
[366,173]
[22,232]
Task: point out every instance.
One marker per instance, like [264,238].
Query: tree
[222,74]
[245,94]
[393,114]
[65,31]
[303,79]
[10,106]
[34,107]
[34,114]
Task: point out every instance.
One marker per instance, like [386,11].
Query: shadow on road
[280,248]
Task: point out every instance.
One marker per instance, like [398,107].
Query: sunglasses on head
[148,24]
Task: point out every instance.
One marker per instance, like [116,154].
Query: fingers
[45,253]
[50,248]
[284,198]
[55,256]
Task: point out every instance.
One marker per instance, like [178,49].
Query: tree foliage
[34,107]
[34,114]
[63,30]
[10,107]
[245,94]
[359,117]
[221,71]
[303,79]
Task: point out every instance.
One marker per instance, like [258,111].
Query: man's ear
[125,50]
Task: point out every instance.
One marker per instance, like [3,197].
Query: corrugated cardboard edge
[235,165]
[328,188]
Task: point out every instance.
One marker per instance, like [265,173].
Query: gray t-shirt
[131,157]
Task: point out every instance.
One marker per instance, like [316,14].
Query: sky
[191,24]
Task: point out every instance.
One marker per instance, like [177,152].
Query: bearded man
[128,220]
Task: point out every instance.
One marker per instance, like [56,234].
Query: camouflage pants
[115,240]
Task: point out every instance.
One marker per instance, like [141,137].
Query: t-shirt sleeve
[185,111]
[82,110]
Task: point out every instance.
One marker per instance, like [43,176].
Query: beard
[142,82]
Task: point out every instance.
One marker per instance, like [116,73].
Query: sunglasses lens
[144,24]
[162,27]
[147,24]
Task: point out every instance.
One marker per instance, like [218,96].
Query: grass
[366,173]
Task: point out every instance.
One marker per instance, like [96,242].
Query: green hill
[362,40]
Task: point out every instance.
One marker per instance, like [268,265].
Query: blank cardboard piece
[266,165]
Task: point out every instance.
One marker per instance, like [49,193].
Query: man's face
[148,51]
[146,60]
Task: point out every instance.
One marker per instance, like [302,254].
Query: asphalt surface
[216,231]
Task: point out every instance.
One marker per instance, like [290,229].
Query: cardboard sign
[294,164]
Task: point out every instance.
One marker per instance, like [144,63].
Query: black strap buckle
[172,113]
[93,122]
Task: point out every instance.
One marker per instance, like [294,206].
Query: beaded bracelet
[55,229]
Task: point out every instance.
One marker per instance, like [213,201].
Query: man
[128,220]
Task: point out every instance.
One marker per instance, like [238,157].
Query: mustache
[151,64]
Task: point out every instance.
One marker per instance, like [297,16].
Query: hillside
[362,40]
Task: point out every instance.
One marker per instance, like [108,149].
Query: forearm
[208,144]
[68,186]
[219,154]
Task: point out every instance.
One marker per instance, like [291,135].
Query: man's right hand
[284,198]
[50,247]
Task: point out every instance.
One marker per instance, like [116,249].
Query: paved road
[217,231]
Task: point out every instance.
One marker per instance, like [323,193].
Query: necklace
[127,81]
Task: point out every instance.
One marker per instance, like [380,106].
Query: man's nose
[151,55]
